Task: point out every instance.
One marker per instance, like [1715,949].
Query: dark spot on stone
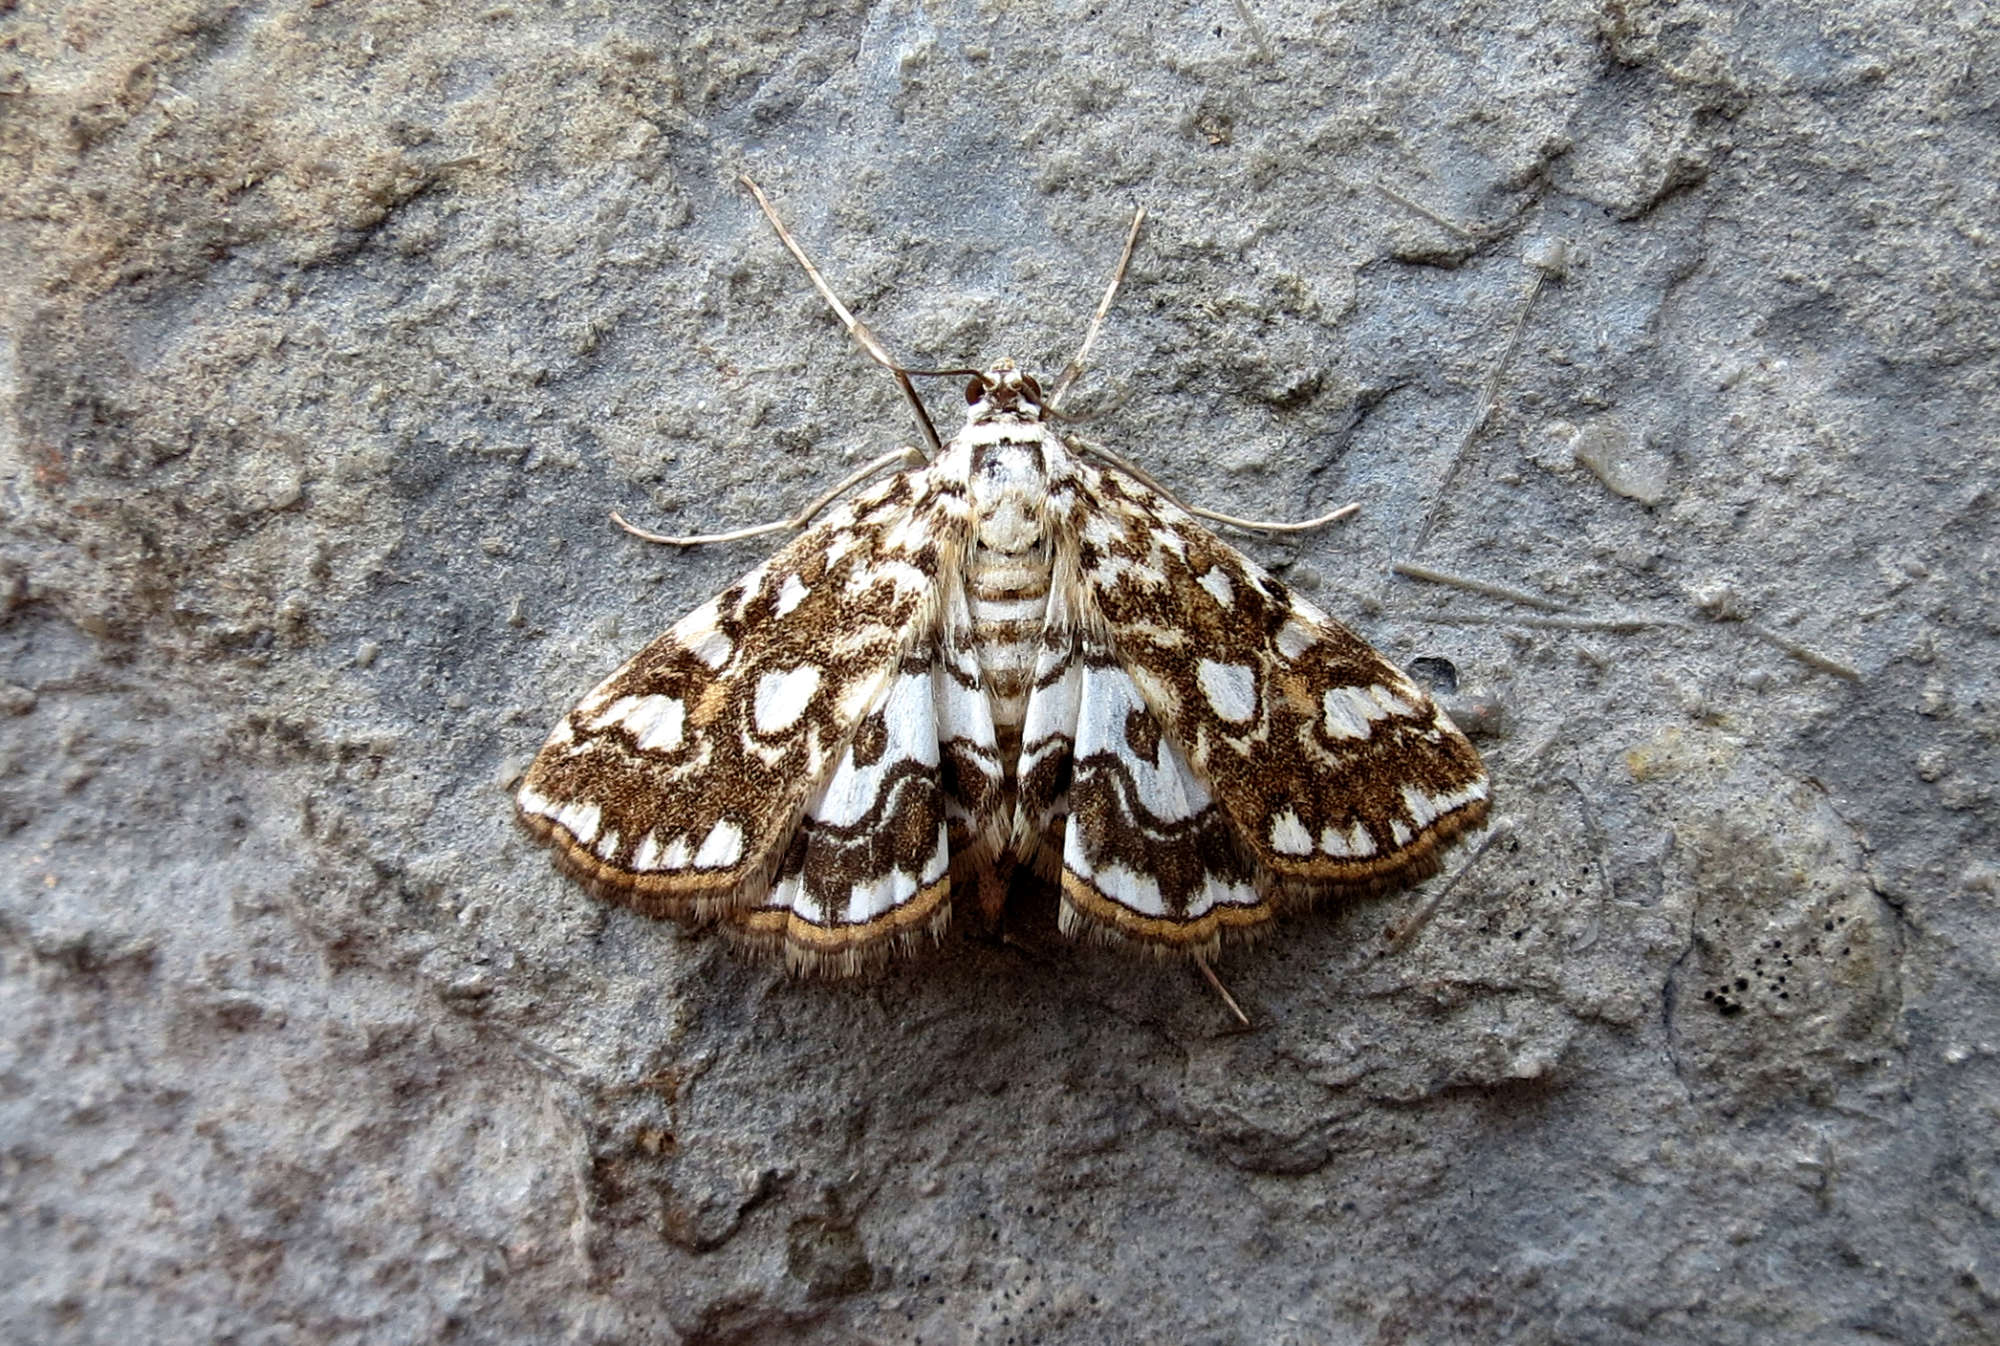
[1440,674]
[827,1258]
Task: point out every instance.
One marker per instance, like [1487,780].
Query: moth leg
[1125,465]
[1489,390]
[1276,525]
[1201,961]
[899,458]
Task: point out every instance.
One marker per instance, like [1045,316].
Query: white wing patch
[1146,849]
[1162,784]
[783,697]
[873,845]
[1231,689]
[790,595]
[656,723]
[1289,835]
[909,718]
[1216,581]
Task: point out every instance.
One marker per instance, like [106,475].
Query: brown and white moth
[1018,654]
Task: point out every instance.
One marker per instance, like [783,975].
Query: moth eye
[975,390]
[1031,388]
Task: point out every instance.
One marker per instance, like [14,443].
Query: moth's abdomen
[1009,593]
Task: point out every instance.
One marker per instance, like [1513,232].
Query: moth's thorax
[1009,486]
[1007,567]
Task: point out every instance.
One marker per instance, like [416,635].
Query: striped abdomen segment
[1009,594]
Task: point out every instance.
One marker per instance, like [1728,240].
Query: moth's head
[1003,393]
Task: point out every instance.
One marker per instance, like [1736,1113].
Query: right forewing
[1337,771]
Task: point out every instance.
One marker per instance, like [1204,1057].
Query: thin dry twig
[1264,52]
[1486,587]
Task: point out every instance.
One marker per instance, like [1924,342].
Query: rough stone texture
[331,332]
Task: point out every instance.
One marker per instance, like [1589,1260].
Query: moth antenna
[905,457]
[855,327]
[1074,369]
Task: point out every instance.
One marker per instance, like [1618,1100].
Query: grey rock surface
[329,333]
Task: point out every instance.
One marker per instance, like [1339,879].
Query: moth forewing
[678,786]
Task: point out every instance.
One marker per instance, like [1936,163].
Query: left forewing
[1336,770]
[676,786]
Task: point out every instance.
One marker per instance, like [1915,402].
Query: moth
[1016,654]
